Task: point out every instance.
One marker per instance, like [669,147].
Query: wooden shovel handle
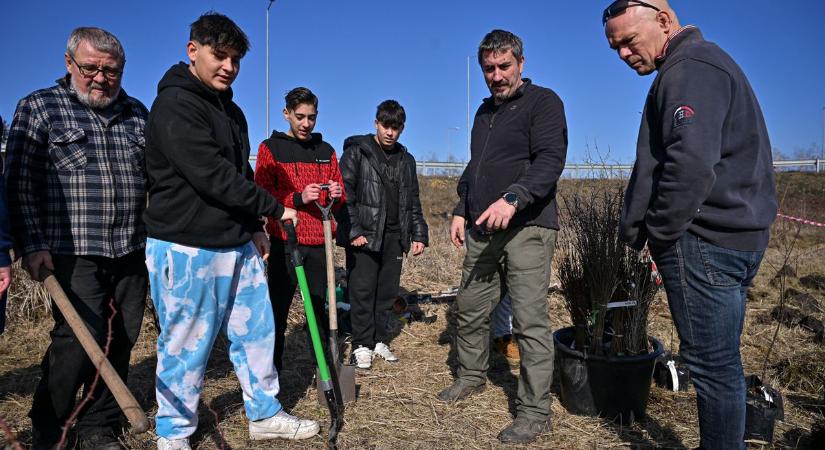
[123,396]
[328,251]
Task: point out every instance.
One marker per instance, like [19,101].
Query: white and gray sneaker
[363,357]
[284,426]
[173,444]
[383,351]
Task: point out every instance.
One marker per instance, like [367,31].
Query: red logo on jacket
[683,116]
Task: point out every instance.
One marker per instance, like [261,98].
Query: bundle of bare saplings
[606,358]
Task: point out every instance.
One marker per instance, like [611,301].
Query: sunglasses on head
[619,6]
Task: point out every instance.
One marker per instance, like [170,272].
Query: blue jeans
[502,320]
[706,289]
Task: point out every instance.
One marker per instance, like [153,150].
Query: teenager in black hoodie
[206,241]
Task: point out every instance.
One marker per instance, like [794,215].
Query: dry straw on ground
[397,407]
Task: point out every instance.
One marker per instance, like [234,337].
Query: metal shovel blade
[343,378]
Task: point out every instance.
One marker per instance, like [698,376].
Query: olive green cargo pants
[517,260]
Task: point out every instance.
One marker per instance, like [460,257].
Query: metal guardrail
[445,168]
[449,168]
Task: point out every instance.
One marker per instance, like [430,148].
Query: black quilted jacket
[364,213]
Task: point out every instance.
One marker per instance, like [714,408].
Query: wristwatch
[511,198]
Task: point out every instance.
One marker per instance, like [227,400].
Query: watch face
[510,197]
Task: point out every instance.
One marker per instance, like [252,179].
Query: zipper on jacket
[486,141]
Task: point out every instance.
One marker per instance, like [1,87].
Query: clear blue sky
[354,54]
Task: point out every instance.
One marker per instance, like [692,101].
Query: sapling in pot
[608,287]
[606,359]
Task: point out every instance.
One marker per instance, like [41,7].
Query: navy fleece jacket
[703,158]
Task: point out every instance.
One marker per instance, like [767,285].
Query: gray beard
[87,99]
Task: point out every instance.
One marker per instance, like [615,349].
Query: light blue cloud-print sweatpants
[197,293]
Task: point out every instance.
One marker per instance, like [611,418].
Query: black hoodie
[201,188]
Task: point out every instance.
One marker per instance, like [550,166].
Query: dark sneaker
[101,441]
[459,391]
[524,430]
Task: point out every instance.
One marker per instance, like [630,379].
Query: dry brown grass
[397,407]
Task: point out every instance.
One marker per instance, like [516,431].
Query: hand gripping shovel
[123,396]
[325,380]
[343,374]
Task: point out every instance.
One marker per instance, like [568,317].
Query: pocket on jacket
[137,150]
[367,218]
[67,149]
[370,189]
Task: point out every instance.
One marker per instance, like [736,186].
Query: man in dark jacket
[381,222]
[76,191]
[507,211]
[206,241]
[701,195]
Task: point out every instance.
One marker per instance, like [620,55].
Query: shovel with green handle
[325,380]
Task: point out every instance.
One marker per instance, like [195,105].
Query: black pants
[282,284]
[92,284]
[373,282]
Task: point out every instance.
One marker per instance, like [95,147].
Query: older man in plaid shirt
[76,188]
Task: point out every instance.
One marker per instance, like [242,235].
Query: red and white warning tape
[801,220]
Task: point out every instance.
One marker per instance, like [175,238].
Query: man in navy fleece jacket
[701,195]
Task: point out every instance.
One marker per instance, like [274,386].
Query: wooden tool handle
[328,250]
[122,395]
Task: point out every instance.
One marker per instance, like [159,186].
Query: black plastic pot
[615,388]
[763,407]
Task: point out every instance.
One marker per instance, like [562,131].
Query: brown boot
[507,346]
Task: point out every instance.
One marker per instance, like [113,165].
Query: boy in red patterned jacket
[292,166]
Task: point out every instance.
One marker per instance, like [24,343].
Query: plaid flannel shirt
[75,185]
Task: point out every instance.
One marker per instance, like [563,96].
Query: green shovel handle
[298,262]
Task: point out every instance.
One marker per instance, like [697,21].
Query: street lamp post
[469,155]
[266,132]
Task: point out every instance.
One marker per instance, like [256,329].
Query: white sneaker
[363,357]
[383,351]
[173,444]
[282,425]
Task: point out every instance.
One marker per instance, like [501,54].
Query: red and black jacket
[284,167]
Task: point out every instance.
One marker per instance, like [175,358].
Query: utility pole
[469,155]
[266,132]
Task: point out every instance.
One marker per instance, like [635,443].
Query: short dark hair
[219,32]
[391,114]
[298,96]
[498,41]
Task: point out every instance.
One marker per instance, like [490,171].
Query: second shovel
[345,373]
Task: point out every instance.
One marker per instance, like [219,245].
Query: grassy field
[397,407]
